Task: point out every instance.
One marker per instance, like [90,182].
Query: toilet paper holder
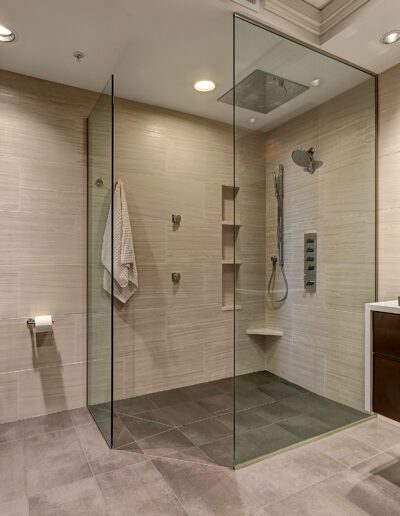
[31,323]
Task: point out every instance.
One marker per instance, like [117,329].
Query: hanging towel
[125,273]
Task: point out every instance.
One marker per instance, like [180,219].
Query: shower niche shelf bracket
[271,332]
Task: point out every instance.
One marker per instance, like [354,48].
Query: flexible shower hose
[271,282]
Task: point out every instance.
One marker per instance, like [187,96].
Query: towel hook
[99,181]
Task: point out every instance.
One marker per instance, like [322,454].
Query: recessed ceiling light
[315,82]
[391,37]
[6,35]
[204,86]
[252,120]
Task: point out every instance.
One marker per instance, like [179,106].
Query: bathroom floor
[60,465]
[196,421]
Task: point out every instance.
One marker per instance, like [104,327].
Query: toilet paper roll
[43,323]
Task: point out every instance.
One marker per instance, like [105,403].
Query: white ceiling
[319,4]
[159,48]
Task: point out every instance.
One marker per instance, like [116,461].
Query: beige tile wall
[323,344]
[42,244]
[389,185]
[171,163]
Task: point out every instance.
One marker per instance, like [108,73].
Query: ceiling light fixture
[315,82]
[6,35]
[204,86]
[252,120]
[391,37]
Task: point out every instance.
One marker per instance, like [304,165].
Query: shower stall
[254,238]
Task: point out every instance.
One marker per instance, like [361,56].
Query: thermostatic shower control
[310,262]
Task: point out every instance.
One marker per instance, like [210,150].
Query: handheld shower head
[305,159]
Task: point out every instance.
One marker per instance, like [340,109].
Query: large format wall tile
[43,244]
[389,185]
[323,344]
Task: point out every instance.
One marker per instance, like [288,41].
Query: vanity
[382,358]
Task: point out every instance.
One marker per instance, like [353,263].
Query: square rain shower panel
[263,92]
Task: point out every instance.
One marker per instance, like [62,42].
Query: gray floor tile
[99,455]
[248,398]
[310,464]
[345,494]
[18,507]
[205,431]
[141,428]
[201,390]
[279,390]
[80,498]
[206,490]
[270,438]
[11,431]
[81,416]
[12,471]
[221,451]
[217,404]
[378,434]
[166,443]
[304,426]
[133,406]
[155,415]
[305,403]
[170,397]
[336,415]
[384,468]
[225,385]
[249,419]
[274,412]
[121,433]
[139,490]
[185,413]
[345,449]
[54,459]
[194,454]
[49,423]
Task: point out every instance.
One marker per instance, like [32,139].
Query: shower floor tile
[72,471]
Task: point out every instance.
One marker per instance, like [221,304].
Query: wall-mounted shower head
[305,159]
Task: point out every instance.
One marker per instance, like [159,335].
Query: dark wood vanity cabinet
[386,357]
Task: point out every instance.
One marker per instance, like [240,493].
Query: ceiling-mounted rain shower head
[305,159]
[262,92]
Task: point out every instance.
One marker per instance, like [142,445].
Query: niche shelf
[230,229]
[273,332]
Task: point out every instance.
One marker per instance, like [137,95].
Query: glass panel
[305,245]
[99,302]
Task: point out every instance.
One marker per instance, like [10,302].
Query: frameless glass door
[304,239]
[100,180]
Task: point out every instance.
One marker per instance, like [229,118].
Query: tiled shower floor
[60,465]
[196,421]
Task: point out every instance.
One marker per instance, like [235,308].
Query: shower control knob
[309,259]
[310,283]
[311,268]
[176,219]
[176,277]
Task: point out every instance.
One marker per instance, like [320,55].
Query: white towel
[125,273]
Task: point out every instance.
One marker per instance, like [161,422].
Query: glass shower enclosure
[246,334]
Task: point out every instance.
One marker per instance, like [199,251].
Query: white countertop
[384,306]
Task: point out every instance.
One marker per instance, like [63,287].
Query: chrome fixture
[176,219]
[99,181]
[310,262]
[176,277]
[78,56]
[262,92]
[305,159]
[278,260]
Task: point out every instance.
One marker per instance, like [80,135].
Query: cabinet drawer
[386,397]
[386,333]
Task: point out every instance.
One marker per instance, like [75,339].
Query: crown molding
[316,22]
